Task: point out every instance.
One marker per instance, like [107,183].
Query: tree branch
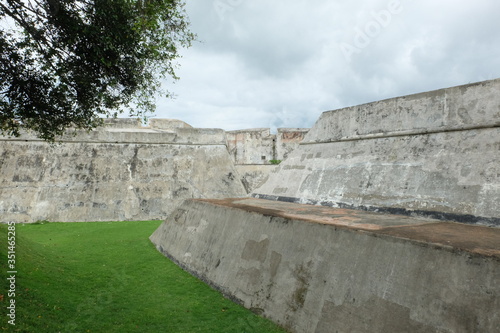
[18,17]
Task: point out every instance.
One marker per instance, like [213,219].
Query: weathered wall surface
[258,146]
[253,176]
[167,124]
[287,140]
[154,123]
[252,150]
[118,173]
[434,153]
[251,146]
[122,123]
[322,269]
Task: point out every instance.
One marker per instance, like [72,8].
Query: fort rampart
[385,218]
[126,171]
[119,172]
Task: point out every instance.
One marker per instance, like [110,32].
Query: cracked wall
[434,154]
[121,172]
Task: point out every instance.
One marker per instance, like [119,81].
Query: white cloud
[280,63]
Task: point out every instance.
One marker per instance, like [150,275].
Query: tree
[69,63]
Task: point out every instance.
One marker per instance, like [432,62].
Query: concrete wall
[122,123]
[325,268]
[322,269]
[253,149]
[127,170]
[434,153]
[287,140]
[167,124]
[154,123]
[117,173]
[251,146]
[258,146]
[253,176]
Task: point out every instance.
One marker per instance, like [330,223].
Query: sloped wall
[322,269]
[112,174]
[251,146]
[257,146]
[287,140]
[331,269]
[434,153]
[252,151]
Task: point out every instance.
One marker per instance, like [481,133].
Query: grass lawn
[108,277]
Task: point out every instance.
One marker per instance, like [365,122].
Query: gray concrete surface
[86,177]
[468,106]
[257,146]
[252,150]
[166,124]
[251,146]
[321,269]
[113,174]
[324,268]
[434,154]
[287,140]
[122,123]
[254,175]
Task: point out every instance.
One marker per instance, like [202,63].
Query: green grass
[108,277]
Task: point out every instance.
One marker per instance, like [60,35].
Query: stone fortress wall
[254,151]
[356,231]
[435,154]
[257,146]
[120,172]
[126,171]
[292,250]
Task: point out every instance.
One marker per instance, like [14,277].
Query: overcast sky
[281,63]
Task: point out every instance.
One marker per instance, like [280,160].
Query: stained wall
[120,172]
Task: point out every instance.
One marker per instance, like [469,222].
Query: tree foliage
[69,63]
